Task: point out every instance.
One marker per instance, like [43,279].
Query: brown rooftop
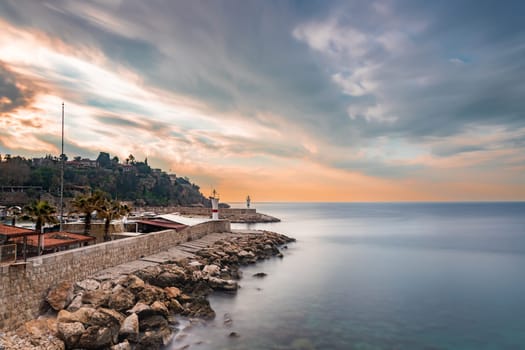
[58,239]
[13,231]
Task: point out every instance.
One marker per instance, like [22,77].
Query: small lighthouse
[214,205]
[248,200]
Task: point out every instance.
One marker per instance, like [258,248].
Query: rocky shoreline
[140,310]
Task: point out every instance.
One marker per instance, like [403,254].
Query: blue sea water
[381,276]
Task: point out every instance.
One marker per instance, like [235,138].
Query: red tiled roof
[13,231]
[57,239]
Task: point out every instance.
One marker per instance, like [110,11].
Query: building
[27,240]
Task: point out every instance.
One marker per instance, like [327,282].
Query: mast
[62,156]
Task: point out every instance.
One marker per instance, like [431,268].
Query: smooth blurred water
[381,276]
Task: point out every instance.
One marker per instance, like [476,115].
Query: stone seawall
[196,210]
[24,285]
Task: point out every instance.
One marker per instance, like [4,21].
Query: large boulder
[130,328]
[211,270]
[175,306]
[160,308]
[149,273]
[109,319]
[154,340]
[96,298]
[81,315]
[171,277]
[141,309]
[149,294]
[60,296]
[121,346]
[199,307]
[70,333]
[121,300]
[88,284]
[76,303]
[223,285]
[172,292]
[153,322]
[132,282]
[95,337]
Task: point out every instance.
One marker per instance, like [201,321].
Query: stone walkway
[184,250]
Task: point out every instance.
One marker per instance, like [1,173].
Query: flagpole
[62,156]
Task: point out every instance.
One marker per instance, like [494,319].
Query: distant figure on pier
[248,201]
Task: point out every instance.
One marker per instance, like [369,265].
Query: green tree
[87,205]
[111,210]
[103,160]
[42,213]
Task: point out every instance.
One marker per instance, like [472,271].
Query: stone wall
[96,229]
[196,210]
[23,286]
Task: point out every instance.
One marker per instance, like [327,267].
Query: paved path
[184,250]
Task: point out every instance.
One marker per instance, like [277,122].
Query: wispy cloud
[285,96]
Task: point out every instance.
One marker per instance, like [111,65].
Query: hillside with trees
[131,180]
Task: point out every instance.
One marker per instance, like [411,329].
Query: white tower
[214,206]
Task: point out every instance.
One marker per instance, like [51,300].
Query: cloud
[15,91]
[394,90]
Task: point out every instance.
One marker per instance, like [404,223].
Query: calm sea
[381,276]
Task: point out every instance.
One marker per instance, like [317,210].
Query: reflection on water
[381,276]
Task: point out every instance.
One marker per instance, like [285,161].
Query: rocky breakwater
[139,310]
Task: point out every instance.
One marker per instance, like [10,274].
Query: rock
[246,254]
[130,328]
[211,270]
[150,294]
[96,298]
[39,328]
[195,264]
[82,315]
[199,307]
[175,306]
[153,322]
[88,284]
[150,341]
[121,300]
[106,317]
[70,333]
[121,346]
[170,278]
[95,337]
[133,283]
[172,292]
[141,309]
[109,319]
[107,285]
[223,285]
[234,335]
[260,275]
[159,308]
[76,303]
[228,321]
[60,296]
[149,273]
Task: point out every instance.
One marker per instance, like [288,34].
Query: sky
[282,100]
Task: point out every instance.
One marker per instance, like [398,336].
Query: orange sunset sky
[282,100]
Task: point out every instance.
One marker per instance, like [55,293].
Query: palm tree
[87,205]
[42,212]
[111,210]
